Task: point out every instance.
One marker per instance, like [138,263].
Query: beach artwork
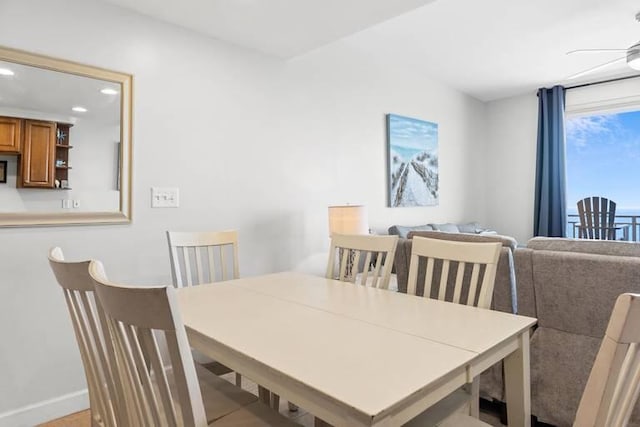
[413,161]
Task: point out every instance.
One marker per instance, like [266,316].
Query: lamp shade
[350,219]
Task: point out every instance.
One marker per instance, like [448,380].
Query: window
[603,159]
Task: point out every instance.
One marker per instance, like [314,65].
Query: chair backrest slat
[465,254]
[135,315]
[198,257]
[349,254]
[457,290]
[444,277]
[614,383]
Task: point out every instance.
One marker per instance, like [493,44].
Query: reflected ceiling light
[79,109]
[633,56]
[109,91]
[6,72]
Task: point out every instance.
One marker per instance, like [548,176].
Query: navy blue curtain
[550,214]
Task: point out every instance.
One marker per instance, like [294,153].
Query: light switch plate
[165,197]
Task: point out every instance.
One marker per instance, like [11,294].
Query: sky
[603,158]
[408,134]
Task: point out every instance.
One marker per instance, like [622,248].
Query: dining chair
[475,267]
[108,394]
[88,325]
[164,389]
[474,275]
[597,218]
[613,386]
[372,254]
[207,257]
[204,257]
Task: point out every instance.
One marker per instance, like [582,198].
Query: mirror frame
[26,219]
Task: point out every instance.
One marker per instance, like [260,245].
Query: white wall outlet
[66,204]
[76,203]
[165,197]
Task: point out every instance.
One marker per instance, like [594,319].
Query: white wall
[252,142]
[510,165]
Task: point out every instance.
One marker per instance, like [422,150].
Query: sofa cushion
[575,292]
[602,247]
[560,366]
[402,231]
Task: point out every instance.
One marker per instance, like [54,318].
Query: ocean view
[622,217]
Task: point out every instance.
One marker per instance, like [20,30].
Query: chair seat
[255,415]
[219,396]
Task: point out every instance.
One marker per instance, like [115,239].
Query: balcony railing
[629,226]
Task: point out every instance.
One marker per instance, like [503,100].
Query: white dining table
[352,355]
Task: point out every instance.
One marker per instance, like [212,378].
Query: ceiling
[44,94]
[489,49]
[283,28]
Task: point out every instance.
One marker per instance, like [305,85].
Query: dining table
[353,355]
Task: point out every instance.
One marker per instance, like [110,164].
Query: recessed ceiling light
[79,109]
[6,72]
[109,91]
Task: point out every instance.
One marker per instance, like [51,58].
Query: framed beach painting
[413,162]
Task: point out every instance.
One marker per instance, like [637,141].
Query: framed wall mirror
[65,135]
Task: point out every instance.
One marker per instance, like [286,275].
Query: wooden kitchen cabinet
[10,135]
[37,162]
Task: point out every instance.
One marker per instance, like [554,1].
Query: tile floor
[302,417]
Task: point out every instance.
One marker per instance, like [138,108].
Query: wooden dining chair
[88,324]
[613,387]
[597,218]
[203,257]
[374,254]
[474,277]
[164,389]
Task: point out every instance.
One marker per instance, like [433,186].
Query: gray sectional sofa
[570,286]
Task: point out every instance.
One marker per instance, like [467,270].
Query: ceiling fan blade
[596,68]
[595,51]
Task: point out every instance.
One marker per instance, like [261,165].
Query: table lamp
[348,219]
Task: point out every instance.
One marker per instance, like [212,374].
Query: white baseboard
[47,410]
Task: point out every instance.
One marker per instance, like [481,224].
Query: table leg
[264,395]
[518,384]
[268,397]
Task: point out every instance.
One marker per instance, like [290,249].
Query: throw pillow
[446,227]
[469,227]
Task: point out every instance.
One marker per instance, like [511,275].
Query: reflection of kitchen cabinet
[62,153]
[37,163]
[10,135]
